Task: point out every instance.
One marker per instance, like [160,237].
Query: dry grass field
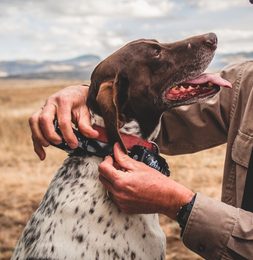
[24,179]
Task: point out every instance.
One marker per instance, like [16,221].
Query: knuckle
[39,142]
[49,99]
[119,184]
[61,100]
[124,158]
[51,136]
[43,118]
[101,167]
[32,119]
[63,123]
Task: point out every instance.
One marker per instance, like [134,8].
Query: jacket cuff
[209,227]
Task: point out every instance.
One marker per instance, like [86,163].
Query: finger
[108,186]
[65,124]
[109,190]
[37,135]
[46,125]
[84,123]
[39,150]
[108,171]
[123,159]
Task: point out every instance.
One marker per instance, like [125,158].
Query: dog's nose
[211,40]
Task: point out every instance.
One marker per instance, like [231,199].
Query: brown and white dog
[129,91]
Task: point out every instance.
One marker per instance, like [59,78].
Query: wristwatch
[184,213]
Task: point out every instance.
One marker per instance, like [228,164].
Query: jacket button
[201,248]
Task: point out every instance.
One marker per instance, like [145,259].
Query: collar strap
[139,149]
[100,146]
[129,140]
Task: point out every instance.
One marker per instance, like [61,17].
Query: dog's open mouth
[205,85]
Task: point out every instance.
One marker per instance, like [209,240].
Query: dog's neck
[130,128]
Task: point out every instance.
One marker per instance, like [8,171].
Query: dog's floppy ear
[108,97]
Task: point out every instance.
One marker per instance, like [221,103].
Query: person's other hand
[138,188]
[68,106]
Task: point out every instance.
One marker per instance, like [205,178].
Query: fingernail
[57,141]
[95,133]
[42,157]
[73,145]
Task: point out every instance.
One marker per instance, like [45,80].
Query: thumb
[84,123]
[108,160]
[123,159]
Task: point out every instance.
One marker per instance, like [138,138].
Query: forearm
[176,196]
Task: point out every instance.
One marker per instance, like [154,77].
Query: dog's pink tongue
[216,79]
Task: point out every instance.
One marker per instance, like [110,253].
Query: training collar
[138,148]
[128,140]
[100,146]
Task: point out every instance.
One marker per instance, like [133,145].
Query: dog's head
[144,78]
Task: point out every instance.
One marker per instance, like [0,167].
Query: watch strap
[184,213]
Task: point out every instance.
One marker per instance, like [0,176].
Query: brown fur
[137,75]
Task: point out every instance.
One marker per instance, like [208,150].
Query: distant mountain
[75,68]
[222,60]
[82,66]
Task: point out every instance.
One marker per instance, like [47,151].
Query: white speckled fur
[76,220]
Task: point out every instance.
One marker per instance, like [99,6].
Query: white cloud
[127,8]
[61,29]
[218,5]
[234,40]
[235,34]
[67,28]
[142,8]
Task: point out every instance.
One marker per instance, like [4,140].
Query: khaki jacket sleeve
[216,230]
[228,231]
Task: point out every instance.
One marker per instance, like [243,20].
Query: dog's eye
[156,52]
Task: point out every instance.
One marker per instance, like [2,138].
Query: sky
[61,29]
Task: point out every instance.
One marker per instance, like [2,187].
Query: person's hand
[67,105]
[137,188]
